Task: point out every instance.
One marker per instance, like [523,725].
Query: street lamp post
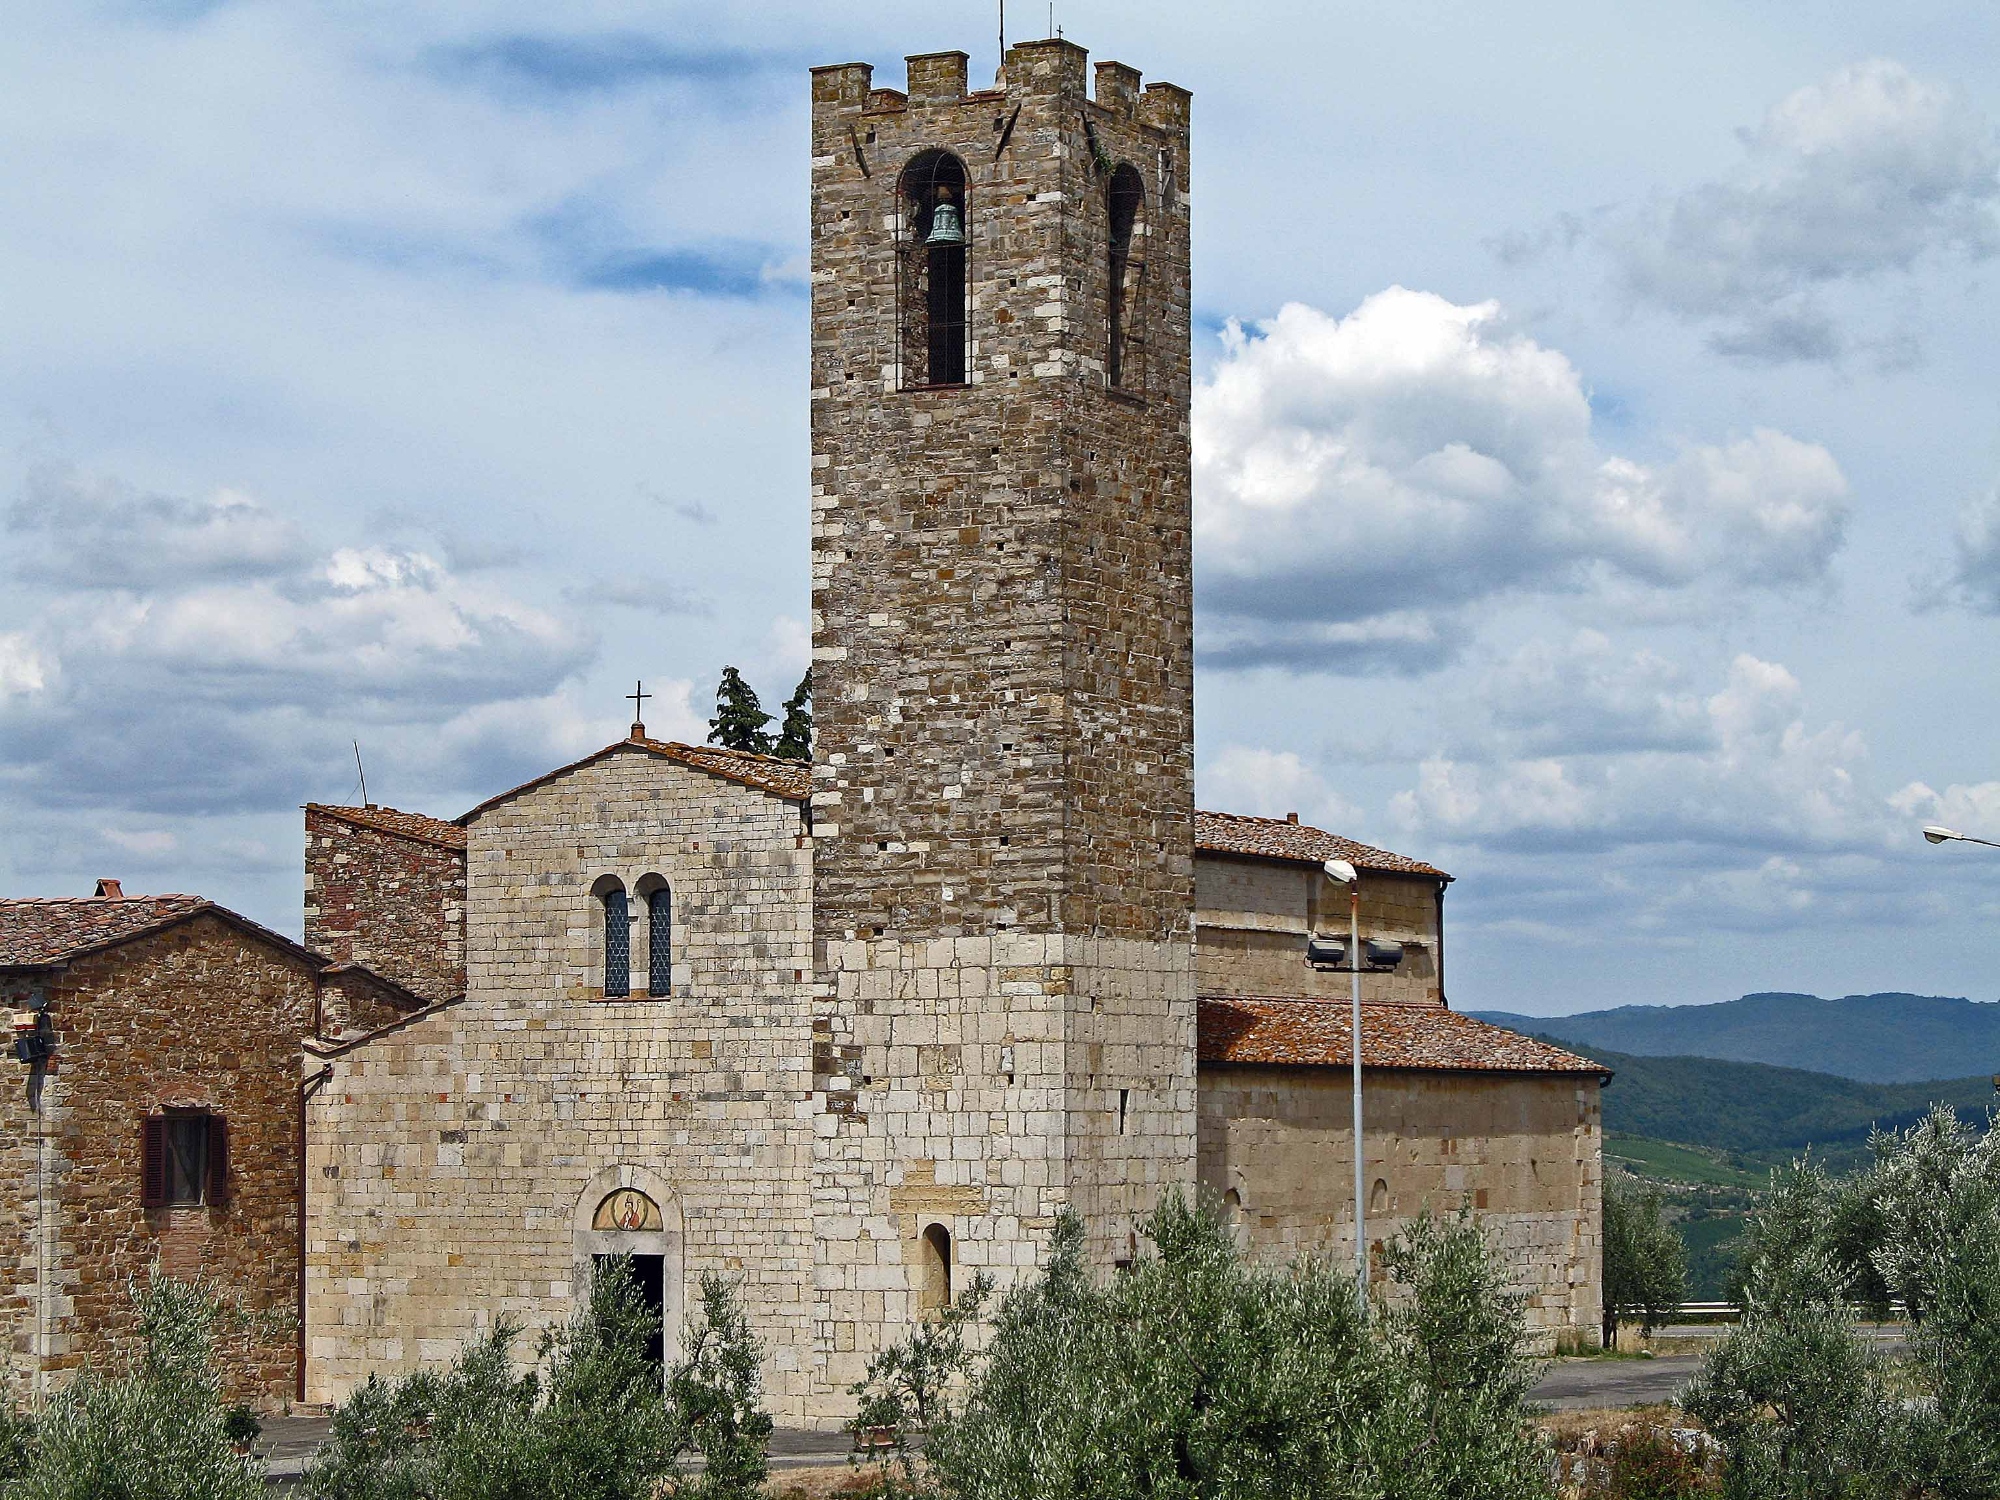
[1939,835]
[1342,873]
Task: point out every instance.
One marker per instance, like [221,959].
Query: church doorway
[649,1274]
[634,1213]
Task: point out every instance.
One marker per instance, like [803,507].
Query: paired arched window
[617,937]
[931,269]
[660,940]
[934,1292]
[1125,345]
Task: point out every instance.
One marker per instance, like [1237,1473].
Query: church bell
[946,226]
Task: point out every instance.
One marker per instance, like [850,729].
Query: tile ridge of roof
[382,818]
[105,900]
[676,750]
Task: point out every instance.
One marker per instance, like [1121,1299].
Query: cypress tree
[739,718]
[795,738]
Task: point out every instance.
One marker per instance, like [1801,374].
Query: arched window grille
[617,942]
[1125,344]
[931,270]
[660,941]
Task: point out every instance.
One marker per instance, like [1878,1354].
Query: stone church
[850,1031]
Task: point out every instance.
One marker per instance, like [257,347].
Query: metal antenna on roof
[362,774]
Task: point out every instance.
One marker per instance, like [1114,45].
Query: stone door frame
[665,1242]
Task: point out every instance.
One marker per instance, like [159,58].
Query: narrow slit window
[935,1293]
[1125,346]
[931,269]
[660,941]
[617,942]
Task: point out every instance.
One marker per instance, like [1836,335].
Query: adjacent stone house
[156,1119]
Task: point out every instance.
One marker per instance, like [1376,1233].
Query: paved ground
[1574,1384]
[288,1443]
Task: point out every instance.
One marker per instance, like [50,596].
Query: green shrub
[156,1431]
[1645,1260]
[594,1418]
[716,1396]
[1195,1375]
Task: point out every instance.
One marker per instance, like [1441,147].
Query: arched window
[1125,344]
[660,940]
[617,938]
[931,294]
[934,1294]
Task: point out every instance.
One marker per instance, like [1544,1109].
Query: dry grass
[821,1482]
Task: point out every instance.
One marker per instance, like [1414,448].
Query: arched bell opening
[936,228]
[1125,345]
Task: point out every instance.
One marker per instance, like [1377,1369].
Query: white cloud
[1271,783]
[1755,776]
[1362,481]
[21,667]
[1866,173]
[1584,695]
[1973,809]
[147,841]
[1973,579]
[201,654]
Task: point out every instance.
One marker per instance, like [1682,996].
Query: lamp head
[1936,834]
[1340,872]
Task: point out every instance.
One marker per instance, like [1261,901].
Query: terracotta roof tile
[407,825]
[1314,1034]
[1280,838]
[790,779]
[39,932]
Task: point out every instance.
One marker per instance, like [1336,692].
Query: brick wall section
[1253,917]
[197,1015]
[451,1157]
[1003,665]
[1524,1153]
[387,899]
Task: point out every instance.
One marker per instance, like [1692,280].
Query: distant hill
[1873,1038]
[1767,1113]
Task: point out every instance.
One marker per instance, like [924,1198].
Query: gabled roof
[1315,1034]
[40,933]
[407,825]
[790,779]
[1281,838]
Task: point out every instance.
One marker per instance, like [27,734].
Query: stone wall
[456,1158]
[393,901]
[1524,1152]
[199,1015]
[1253,917]
[1003,673]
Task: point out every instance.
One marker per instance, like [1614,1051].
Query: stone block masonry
[456,1159]
[1524,1153]
[198,1016]
[387,889]
[1003,665]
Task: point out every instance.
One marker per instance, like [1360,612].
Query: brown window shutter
[153,1161]
[218,1159]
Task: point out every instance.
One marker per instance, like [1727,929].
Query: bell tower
[1003,673]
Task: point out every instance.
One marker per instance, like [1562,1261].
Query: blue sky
[1596,440]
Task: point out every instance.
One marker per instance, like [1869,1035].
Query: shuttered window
[184,1160]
